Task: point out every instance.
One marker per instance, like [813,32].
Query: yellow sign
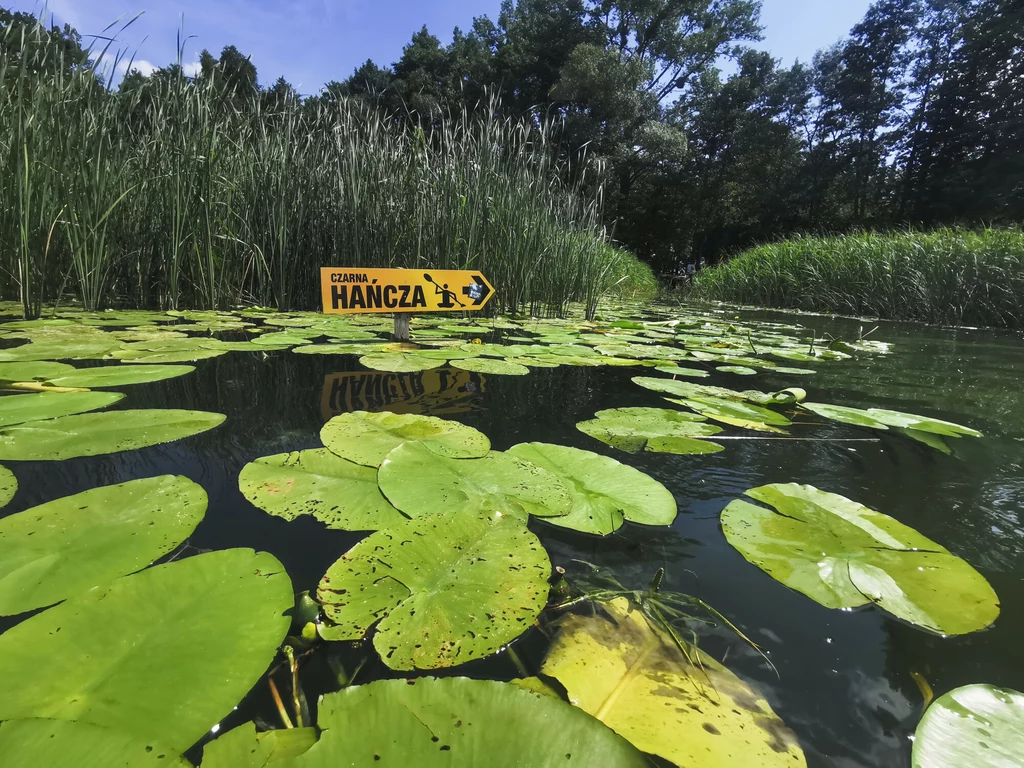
[436,391]
[348,290]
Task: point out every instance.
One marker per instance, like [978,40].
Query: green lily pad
[687,389]
[688,709]
[18,409]
[64,547]
[8,486]
[95,434]
[880,418]
[367,438]
[118,375]
[41,743]
[604,491]
[456,722]
[243,747]
[679,370]
[735,413]
[33,371]
[397,362]
[977,725]
[73,348]
[173,356]
[445,589]
[657,430]
[420,482]
[841,413]
[161,654]
[340,349]
[740,370]
[844,555]
[491,366]
[337,492]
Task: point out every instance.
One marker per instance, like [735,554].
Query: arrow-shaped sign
[479,291]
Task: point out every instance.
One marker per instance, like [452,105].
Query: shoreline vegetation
[192,193]
[949,277]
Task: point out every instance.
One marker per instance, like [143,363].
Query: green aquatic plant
[977,725]
[66,546]
[420,481]
[19,409]
[843,555]
[657,430]
[441,590]
[45,742]
[117,376]
[214,622]
[605,493]
[367,438]
[667,699]
[8,486]
[95,434]
[453,722]
[492,367]
[339,493]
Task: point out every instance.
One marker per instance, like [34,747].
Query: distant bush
[950,276]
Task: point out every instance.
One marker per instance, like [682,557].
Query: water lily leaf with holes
[95,434]
[243,747]
[420,482]
[397,362]
[367,438]
[638,682]
[735,413]
[41,743]
[604,491]
[844,555]
[456,722]
[33,371]
[657,430]
[491,366]
[66,546]
[18,409]
[118,375]
[161,654]
[445,589]
[977,725]
[8,486]
[337,492]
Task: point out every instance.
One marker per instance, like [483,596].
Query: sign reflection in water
[436,392]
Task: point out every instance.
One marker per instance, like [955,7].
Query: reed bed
[949,276]
[184,194]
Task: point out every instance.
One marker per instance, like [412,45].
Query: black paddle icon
[447,297]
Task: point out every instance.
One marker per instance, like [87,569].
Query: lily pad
[396,362]
[33,371]
[18,409]
[243,747]
[367,438]
[118,375]
[740,370]
[977,725]
[8,486]
[420,482]
[735,413]
[161,654]
[64,547]
[690,711]
[337,492]
[445,589]
[41,743]
[72,348]
[657,430]
[491,366]
[687,389]
[880,418]
[844,555]
[679,370]
[456,722]
[604,491]
[95,434]
[172,356]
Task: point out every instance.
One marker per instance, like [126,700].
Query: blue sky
[311,42]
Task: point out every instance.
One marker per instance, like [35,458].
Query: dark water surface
[844,682]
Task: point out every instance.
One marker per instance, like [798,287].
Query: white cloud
[141,66]
[191,70]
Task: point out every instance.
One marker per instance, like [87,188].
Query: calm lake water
[844,681]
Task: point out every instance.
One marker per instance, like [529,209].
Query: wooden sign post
[350,290]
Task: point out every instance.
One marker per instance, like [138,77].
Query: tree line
[706,144]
